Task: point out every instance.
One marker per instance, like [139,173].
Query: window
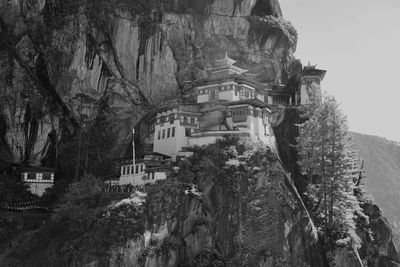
[151,128]
[163,134]
[173,132]
[39,176]
[123,171]
[265,130]
[168,132]
[131,168]
[213,94]
[137,169]
[46,176]
[52,176]
[192,120]
[159,135]
[239,115]
[171,119]
[31,176]
[187,132]
[141,167]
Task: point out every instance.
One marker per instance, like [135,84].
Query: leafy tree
[80,206]
[329,163]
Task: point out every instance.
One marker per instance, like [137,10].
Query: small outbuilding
[37,178]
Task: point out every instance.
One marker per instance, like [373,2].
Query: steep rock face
[378,247]
[133,61]
[267,226]
[382,243]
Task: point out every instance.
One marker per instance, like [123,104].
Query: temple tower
[310,81]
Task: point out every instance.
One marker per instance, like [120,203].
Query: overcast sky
[358,43]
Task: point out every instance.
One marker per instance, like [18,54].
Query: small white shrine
[38,179]
[148,169]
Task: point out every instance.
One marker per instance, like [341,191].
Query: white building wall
[173,144]
[142,178]
[251,122]
[181,141]
[203,140]
[228,95]
[242,124]
[203,98]
[226,91]
[39,188]
[167,145]
[304,95]
[130,176]
[257,122]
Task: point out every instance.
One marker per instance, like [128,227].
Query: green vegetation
[13,189]
[326,158]
[83,226]
[88,223]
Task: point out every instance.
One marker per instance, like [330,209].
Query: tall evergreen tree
[328,162]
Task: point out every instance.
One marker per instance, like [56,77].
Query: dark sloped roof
[139,157]
[253,102]
[247,79]
[311,70]
[35,168]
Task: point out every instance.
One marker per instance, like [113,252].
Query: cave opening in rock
[266,8]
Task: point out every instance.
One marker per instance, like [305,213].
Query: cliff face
[70,56]
[266,226]
[378,247]
[66,65]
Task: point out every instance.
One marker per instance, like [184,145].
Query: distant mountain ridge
[382,166]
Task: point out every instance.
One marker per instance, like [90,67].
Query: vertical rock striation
[131,59]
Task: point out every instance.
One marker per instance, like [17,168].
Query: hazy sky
[358,43]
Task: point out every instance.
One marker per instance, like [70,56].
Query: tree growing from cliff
[328,161]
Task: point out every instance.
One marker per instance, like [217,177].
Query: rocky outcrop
[130,58]
[378,247]
[267,225]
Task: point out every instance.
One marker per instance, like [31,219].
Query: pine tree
[329,163]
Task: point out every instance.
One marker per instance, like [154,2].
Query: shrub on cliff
[90,221]
[13,190]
